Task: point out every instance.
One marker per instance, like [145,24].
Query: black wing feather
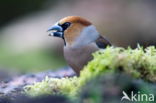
[102,43]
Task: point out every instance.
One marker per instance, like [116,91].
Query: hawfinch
[80,38]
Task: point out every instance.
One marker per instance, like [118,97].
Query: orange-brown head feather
[77,25]
[75,19]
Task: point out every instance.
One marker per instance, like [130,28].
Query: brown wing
[102,42]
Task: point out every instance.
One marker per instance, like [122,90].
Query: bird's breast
[77,58]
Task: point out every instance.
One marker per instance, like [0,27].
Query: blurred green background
[26,47]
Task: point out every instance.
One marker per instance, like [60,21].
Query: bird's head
[74,30]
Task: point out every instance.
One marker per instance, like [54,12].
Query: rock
[13,87]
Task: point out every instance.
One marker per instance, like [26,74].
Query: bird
[81,39]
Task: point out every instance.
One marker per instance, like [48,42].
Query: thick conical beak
[56,31]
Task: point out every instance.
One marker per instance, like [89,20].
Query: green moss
[53,86]
[139,63]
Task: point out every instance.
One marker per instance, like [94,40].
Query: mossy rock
[109,89]
[138,63]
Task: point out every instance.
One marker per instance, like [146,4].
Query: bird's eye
[65,25]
